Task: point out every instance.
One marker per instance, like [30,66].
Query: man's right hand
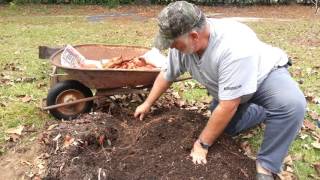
[160,85]
[142,110]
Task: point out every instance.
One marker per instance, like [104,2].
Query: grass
[24,28]
[20,38]
[295,38]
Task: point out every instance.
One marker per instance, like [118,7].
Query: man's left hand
[198,154]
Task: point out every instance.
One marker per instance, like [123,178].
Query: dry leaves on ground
[14,133]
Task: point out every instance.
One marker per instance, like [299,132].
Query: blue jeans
[280,104]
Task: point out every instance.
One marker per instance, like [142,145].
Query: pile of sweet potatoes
[133,63]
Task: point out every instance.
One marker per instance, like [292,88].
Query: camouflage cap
[176,19]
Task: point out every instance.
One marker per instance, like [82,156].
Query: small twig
[126,157]
[104,152]
[61,167]
[57,142]
[244,173]
[99,172]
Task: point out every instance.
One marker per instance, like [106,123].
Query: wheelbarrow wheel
[68,91]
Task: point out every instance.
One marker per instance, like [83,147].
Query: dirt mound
[101,146]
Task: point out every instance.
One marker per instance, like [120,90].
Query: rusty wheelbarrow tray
[71,88]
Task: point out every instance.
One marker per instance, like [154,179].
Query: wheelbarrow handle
[46,52]
[70,103]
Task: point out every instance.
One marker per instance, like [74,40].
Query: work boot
[261,176]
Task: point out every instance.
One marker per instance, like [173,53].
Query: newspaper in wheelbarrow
[74,59]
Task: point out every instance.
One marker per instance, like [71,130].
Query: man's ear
[194,35]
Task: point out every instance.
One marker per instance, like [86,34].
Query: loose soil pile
[101,146]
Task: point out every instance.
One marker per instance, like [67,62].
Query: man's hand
[160,85]
[142,110]
[198,154]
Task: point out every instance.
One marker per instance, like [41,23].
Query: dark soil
[101,146]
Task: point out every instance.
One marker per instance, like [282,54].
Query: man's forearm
[217,123]
[159,87]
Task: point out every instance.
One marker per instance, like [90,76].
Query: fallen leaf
[6,138]
[29,79]
[26,99]
[2,104]
[309,71]
[288,160]
[26,162]
[312,98]
[40,166]
[12,137]
[68,140]
[18,80]
[315,134]
[247,136]
[44,138]
[316,67]
[43,156]
[36,177]
[5,80]
[316,100]
[30,174]
[317,167]
[17,130]
[192,108]
[303,136]
[17,52]
[309,125]
[300,81]
[314,115]
[176,95]
[11,67]
[42,84]
[297,72]
[32,139]
[309,96]
[247,149]
[285,175]
[180,103]
[289,169]
[299,157]
[52,126]
[171,119]
[316,145]
[306,146]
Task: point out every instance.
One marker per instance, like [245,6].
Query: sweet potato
[133,63]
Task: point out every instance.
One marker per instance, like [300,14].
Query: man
[247,78]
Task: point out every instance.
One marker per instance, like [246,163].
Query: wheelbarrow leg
[53,77]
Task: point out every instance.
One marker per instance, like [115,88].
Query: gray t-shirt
[234,63]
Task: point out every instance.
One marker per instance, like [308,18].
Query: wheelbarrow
[71,89]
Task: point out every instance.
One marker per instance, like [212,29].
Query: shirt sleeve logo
[232,88]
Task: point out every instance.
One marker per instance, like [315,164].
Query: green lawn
[23,29]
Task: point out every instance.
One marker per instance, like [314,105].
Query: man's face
[185,44]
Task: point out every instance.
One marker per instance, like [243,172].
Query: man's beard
[189,48]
